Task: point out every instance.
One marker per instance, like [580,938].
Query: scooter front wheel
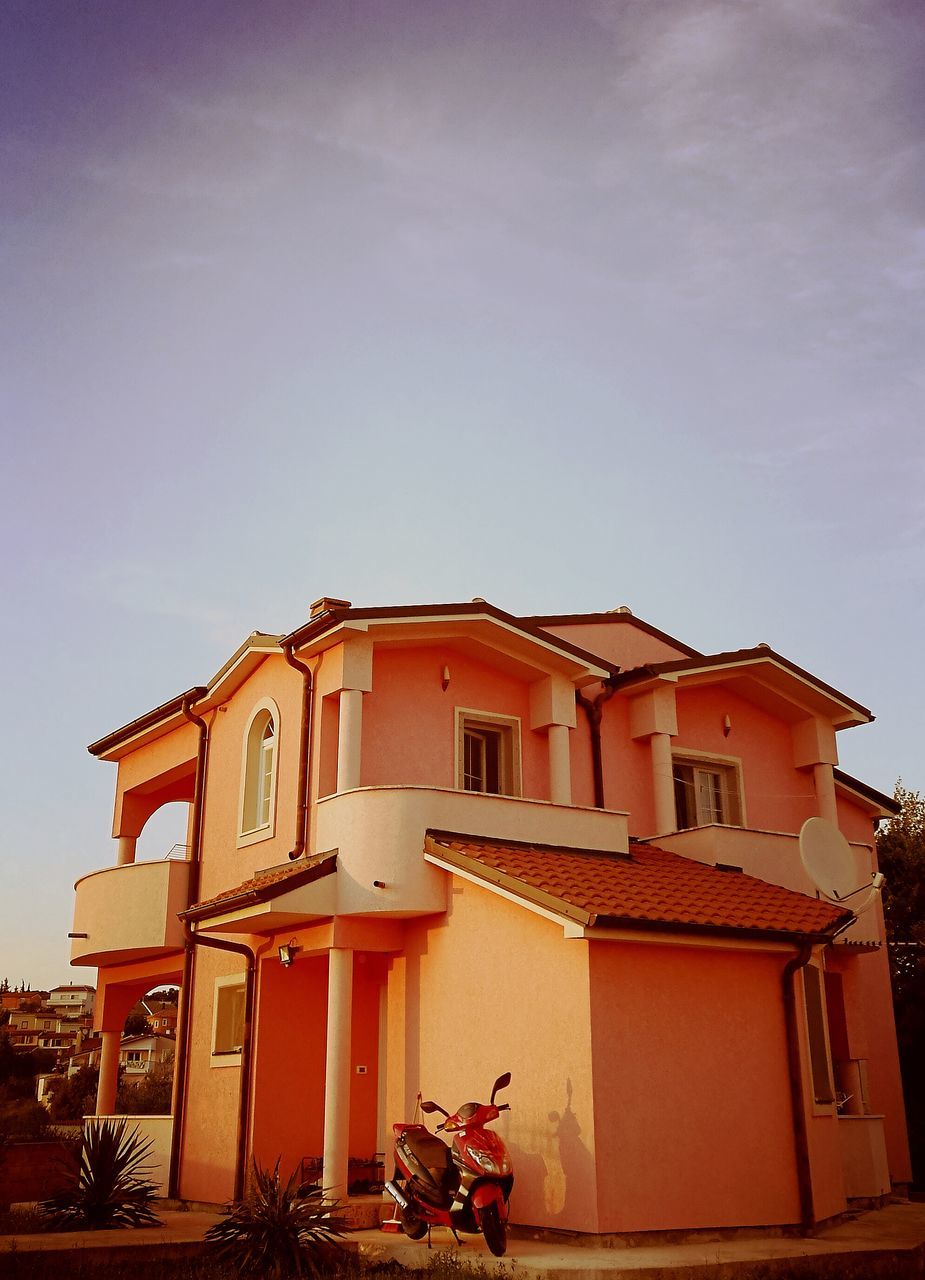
[494,1229]
[412,1225]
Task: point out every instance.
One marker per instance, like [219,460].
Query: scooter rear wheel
[412,1225]
[494,1230]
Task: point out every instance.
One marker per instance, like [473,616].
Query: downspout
[241,949]
[305,753]
[594,710]
[801,1137]
[186,985]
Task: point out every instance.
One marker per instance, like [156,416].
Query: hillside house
[428,844]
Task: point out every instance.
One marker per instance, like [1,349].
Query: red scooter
[466,1186]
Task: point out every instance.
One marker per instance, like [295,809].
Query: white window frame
[821,1106]
[252,755]
[509,728]
[727,767]
[224,1057]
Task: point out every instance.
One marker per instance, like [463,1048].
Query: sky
[564,305]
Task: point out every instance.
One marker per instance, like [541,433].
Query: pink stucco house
[430,844]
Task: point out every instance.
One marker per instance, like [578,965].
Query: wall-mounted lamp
[378,884]
[287,953]
[727,726]
[445,682]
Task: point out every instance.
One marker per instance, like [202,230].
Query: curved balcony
[378,833]
[129,913]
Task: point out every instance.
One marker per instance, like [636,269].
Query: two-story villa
[430,844]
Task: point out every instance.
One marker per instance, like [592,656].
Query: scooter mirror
[430,1107]
[501,1083]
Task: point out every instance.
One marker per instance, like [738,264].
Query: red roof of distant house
[648,887]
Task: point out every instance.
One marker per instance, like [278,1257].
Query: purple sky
[563,305]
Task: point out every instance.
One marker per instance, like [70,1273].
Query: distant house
[72,999]
[138,1055]
[432,843]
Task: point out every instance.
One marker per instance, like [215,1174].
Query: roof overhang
[307,893]
[762,677]
[170,715]
[875,802]
[479,627]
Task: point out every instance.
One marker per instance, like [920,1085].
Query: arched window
[259,771]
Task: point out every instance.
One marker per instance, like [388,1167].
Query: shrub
[23,1119]
[278,1232]
[113,1188]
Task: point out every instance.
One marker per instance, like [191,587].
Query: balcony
[129,913]
[378,833]
[773,856]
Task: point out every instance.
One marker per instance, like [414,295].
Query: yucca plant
[278,1232]
[113,1187]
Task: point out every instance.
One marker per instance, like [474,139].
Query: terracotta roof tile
[649,885]
[256,888]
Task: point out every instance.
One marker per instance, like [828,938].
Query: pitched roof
[645,888]
[734,657]
[264,885]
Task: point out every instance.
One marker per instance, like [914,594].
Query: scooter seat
[433,1159]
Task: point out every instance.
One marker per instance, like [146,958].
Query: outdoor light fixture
[287,953]
[445,682]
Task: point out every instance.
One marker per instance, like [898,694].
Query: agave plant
[113,1187]
[278,1231]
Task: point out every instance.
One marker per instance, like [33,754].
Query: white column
[337,1072]
[663,783]
[126,852]
[825,792]
[109,1073]
[560,769]
[349,734]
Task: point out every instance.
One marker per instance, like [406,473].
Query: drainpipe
[595,711]
[241,949]
[801,1137]
[186,986]
[305,754]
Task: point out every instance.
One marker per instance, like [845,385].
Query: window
[818,1042]
[706,791]
[487,753]
[258,789]
[228,1017]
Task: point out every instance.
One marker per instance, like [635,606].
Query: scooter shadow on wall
[558,1180]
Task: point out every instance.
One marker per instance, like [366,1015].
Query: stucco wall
[409,724]
[691,1088]
[494,988]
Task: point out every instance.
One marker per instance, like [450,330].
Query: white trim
[514,726]
[680,754]
[223,1059]
[267,830]
[497,889]
[668,938]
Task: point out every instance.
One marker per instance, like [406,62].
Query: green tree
[75,1098]
[901,854]
[136,1024]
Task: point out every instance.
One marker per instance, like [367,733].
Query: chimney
[326,604]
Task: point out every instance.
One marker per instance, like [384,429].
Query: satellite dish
[829,863]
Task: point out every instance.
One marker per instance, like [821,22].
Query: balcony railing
[129,912]
[773,856]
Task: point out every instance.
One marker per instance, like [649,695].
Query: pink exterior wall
[419,747]
[627,769]
[465,1003]
[210,1132]
[223,863]
[691,1088]
[778,796]
[622,643]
